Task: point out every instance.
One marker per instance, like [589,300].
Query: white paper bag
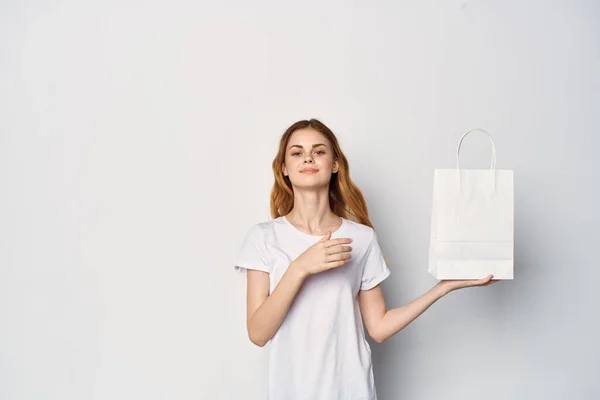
[472,221]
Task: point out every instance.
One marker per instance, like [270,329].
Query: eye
[318,151]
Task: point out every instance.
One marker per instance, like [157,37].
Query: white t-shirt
[319,352]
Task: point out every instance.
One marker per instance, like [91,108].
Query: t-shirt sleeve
[252,254]
[376,269]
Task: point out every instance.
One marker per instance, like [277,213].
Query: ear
[285,173]
[336,166]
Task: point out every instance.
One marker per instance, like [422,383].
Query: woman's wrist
[442,289]
[297,271]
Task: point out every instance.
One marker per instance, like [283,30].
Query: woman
[314,274]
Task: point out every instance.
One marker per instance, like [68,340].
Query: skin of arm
[382,323]
[265,312]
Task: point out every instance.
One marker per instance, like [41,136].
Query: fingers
[487,280]
[337,241]
[338,249]
[334,264]
[478,282]
[460,283]
[336,257]
[334,246]
[326,237]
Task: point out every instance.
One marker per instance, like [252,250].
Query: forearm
[396,319]
[267,319]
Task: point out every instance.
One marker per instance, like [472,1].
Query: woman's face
[309,149]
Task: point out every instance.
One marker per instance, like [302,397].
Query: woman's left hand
[452,284]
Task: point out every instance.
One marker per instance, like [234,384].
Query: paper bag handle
[493,166]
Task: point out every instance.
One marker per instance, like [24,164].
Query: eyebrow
[313,146]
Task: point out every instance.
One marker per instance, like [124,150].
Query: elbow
[260,342]
[378,337]
[257,341]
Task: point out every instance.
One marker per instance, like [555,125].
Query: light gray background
[136,141]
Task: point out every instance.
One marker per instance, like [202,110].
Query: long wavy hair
[345,198]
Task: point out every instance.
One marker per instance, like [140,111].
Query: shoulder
[362,232]
[262,228]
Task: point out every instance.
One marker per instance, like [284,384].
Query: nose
[308,158]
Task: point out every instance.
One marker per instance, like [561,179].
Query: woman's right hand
[324,255]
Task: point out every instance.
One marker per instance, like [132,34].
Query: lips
[308,171]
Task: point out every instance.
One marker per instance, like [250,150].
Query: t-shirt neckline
[308,234]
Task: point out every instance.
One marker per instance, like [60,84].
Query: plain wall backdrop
[136,141]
